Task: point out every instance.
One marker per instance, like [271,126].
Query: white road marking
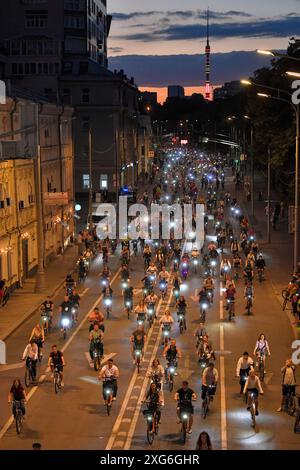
[223,390]
[111,442]
[143,390]
[6,367]
[84,292]
[34,389]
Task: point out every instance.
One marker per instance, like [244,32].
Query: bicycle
[128,307]
[297,419]
[260,273]
[261,366]
[230,307]
[108,392]
[152,422]
[170,374]
[56,380]
[203,308]
[18,415]
[29,375]
[184,419]
[138,359]
[251,407]
[182,322]
[286,298]
[249,304]
[209,396]
[150,316]
[290,402]
[97,354]
[108,303]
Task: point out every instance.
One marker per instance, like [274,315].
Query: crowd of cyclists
[233,257]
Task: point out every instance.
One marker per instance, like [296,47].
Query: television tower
[207,65]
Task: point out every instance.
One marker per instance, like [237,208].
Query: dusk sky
[160,42]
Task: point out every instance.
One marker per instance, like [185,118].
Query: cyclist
[74,298]
[262,348]
[200,332]
[288,381]
[137,340]
[166,321]
[30,354]
[249,293]
[185,396]
[147,254]
[253,386]
[128,295]
[157,373]
[181,305]
[152,271]
[164,275]
[96,317]
[38,336]
[150,301]
[17,393]
[206,350]
[155,400]
[210,378]
[96,340]
[171,353]
[260,263]
[230,297]
[56,361]
[140,311]
[125,275]
[47,308]
[110,372]
[248,272]
[244,366]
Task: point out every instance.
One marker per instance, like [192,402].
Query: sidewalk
[24,301]
[279,253]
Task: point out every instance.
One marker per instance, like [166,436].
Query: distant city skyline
[141,35]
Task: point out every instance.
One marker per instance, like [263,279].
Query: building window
[85,95]
[103,181]
[47,133]
[83,68]
[67,96]
[36,20]
[86,181]
[67,67]
[85,124]
[74,5]
[75,22]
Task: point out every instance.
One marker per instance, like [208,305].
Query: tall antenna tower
[207,65]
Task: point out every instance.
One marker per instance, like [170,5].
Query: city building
[176,91]
[50,137]
[60,51]
[228,89]
[148,99]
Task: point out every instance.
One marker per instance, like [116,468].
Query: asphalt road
[76,417]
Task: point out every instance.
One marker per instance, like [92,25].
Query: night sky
[171,39]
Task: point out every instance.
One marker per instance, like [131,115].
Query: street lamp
[277,54]
[296,208]
[293,74]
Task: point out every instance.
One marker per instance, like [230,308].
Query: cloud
[181,14]
[159,71]
[116,50]
[279,27]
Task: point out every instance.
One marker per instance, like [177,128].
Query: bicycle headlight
[195,261]
[65,322]
[184,416]
[172,370]
[124,285]
[213,263]
[108,302]
[137,353]
[108,391]
[180,317]
[45,319]
[149,418]
[128,303]
[204,306]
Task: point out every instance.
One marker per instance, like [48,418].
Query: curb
[35,310]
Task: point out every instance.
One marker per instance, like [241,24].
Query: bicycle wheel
[181,328]
[138,364]
[183,432]
[27,377]
[97,363]
[253,417]
[18,422]
[171,383]
[56,384]
[261,371]
[150,434]
[108,405]
[205,408]
[297,422]
[291,406]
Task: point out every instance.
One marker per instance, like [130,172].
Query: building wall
[18,224]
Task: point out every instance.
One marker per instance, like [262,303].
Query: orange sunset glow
[162,92]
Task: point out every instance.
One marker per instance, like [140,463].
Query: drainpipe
[60,149]
[19,250]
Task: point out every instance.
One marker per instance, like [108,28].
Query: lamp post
[296,202]
[277,54]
